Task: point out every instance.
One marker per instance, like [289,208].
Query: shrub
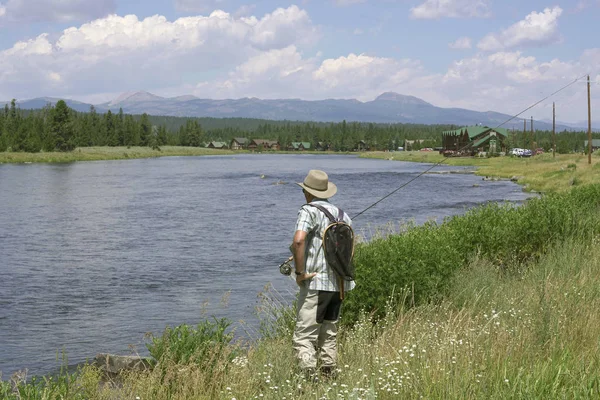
[423,259]
[205,345]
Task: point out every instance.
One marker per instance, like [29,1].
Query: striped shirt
[313,221]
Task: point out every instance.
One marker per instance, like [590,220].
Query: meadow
[541,173]
[107,153]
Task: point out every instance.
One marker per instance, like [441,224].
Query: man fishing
[321,289]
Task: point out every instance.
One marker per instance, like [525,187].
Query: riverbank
[503,304]
[542,173]
[124,153]
[108,153]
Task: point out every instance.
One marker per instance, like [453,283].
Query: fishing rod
[285,267]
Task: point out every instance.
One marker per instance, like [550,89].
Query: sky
[498,55]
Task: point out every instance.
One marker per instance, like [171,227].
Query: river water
[93,255]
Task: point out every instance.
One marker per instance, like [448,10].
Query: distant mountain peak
[401,98]
[186,97]
[136,96]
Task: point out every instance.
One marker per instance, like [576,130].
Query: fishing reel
[286,267]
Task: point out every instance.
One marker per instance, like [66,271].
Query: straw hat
[317,183]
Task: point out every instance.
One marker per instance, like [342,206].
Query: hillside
[389,107]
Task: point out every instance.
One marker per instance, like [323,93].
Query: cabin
[322,146]
[474,139]
[264,144]
[361,146]
[217,145]
[239,143]
[299,146]
[595,145]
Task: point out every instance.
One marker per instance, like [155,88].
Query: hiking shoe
[329,372]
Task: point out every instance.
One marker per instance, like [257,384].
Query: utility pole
[531,147]
[553,131]
[524,133]
[589,124]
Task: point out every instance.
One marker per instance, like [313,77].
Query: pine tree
[61,127]
[145,130]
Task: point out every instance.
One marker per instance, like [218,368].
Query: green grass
[542,173]
[108,153]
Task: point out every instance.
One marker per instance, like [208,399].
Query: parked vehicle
[521,152]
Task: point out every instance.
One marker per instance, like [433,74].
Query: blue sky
[500,55]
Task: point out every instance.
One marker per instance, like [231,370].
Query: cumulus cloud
[54,11]
[434,9]
[287,73]
[461,43]
[117,53]
[504,81]
[537,29]
[222,56]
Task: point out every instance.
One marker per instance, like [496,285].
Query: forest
[59,128]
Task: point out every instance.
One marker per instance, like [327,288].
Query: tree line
[59,128]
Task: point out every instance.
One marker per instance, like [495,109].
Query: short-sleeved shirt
[313,221]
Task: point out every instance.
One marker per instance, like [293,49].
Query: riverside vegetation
[542,173]
[498,303]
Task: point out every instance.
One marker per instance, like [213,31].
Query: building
[473,139]
[361,145]
[217,145]
[410,144]
[595,145]
[322,146]
[239,143]
[264,144]
[299,146]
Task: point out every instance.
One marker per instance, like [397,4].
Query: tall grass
[542,173]
[107,153]
[423,259]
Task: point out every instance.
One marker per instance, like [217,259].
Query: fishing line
[444,160]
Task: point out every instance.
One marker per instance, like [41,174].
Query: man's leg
[307,329]
[328,314]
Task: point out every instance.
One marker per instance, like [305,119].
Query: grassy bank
[541,173]
[499,303]
[108,153]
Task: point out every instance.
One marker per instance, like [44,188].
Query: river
[93,255]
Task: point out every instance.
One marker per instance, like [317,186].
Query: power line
[444,160]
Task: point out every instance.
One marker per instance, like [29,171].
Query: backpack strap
[330,216]
[333,220]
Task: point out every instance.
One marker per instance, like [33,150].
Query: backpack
[338,244]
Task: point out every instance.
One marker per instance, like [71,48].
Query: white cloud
[503,81]
[123,53]
[461,43]
[285,73]
[55,11]
[434,9]
[537,29]
[221,56]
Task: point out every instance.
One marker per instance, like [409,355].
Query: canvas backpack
[338,244]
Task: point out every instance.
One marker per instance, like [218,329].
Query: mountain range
[389,107]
